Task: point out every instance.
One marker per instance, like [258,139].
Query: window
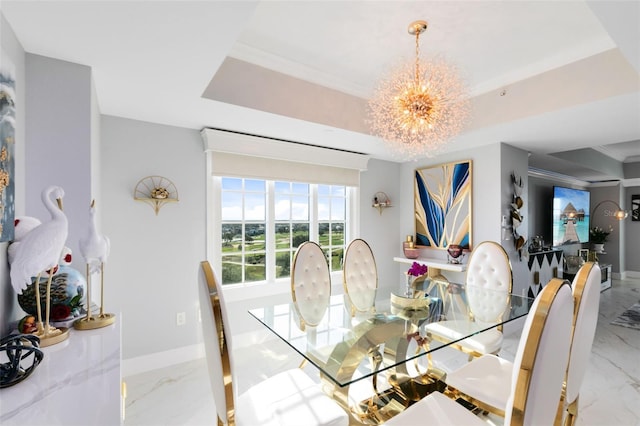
[264,221]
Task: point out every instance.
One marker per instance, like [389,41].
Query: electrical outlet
[181,318]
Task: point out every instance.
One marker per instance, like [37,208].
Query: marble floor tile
[610,395]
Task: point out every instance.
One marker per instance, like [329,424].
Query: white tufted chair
[360,276]
[485,381]
[488,287]
[586,296]
[537,374]
[310,284]
[288,398]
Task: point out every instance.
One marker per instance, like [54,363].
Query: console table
[543,266]
[78,382]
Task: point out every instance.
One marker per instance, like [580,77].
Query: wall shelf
[381,201]
[155,191]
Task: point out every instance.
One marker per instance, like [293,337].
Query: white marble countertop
[78,382]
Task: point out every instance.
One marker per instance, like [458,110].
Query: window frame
[272,285]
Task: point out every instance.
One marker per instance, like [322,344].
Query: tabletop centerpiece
[599,237]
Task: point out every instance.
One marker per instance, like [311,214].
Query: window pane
[323,234]
[300,188]
[338,191]
[254,208]
[254,237]
[300,208]
[337,234]
[283,237]
[254,185]
[231,206]
[282,187]
[231,184]
[324,190]
[231,237]
[254,268]
[282,207]
[283,264]
[337,209]
[231,269]
[300,234]
[323,208]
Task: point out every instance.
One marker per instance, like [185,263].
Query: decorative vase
[409,248]
[455,253]
[598,248]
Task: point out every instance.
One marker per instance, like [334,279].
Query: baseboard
[628,274]
[164,359]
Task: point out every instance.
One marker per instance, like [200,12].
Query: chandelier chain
[417,76]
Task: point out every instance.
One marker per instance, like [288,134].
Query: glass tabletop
[348,348]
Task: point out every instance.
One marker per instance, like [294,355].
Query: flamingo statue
[95,250]
[38,252]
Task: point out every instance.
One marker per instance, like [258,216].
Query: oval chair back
[360,276]
[310,284]
[489,281]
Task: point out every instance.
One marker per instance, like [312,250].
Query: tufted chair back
[360,276]
[310,283]
[489,281]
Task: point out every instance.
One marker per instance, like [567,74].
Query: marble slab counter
[78,382]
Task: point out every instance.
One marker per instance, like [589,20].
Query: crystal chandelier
[419,107]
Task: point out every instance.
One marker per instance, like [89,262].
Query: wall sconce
[381,201]
[155,191]
[619,214]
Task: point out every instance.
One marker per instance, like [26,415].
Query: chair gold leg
[572,413]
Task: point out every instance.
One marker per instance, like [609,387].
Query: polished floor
[180,395]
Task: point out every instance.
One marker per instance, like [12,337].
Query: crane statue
[95,250]
[39,252]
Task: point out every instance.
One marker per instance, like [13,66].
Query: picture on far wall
[7,142]
[442,198]
[635,207]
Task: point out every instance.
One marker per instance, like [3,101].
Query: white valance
[236,154]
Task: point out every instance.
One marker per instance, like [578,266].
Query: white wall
[152,270]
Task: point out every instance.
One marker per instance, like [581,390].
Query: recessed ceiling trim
[273,62]
[546,174]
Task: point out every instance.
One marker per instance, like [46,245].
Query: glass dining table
[387,349]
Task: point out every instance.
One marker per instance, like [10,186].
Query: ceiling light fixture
[420,107]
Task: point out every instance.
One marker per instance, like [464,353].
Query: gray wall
[631,246]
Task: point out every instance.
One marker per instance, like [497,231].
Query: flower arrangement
[599,235]
[417,269]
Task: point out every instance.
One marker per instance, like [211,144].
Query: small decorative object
[599,237]
[381,201]
[155,191]
[417,272]
[20,349]
[409,248]
[455,253]
[516,217]
[95,250]
[159,193]
[38,253]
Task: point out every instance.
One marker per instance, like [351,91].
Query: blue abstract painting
[443,205]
